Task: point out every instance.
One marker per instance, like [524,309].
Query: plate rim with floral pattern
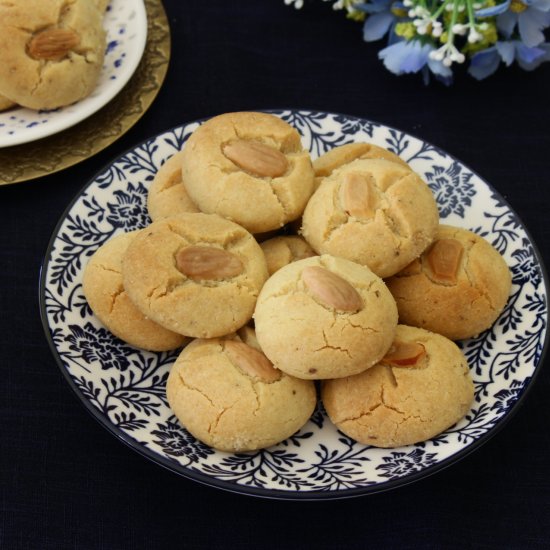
[123,388]
[126,25]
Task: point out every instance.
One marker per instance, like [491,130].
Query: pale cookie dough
[104,291]
[167,195]
[250,168]
[374,212]
[324,165]
[280,251]
[421,388]
[228,395]
[6,103]
[457,288]
[51,53]
[196,274]
[324,317]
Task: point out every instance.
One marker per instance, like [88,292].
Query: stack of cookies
[51,53]
[278,274]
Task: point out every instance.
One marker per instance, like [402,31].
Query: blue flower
[405,56]
[530,16]
[382,18]
[486,62]
[411,57]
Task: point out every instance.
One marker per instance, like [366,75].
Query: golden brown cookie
[250,168]
[324,317]
[167,195]
[51,53]
[228,395]
[282,250]
[6,103]
[457,288]
[422,387]
[103,288]
[196,274]
[374,212]
[344,154]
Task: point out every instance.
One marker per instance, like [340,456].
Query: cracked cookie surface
[231,408]
[103,288]
[462,297]
[374,212]
[306,337]
[51,53]
[196,274]
[337,157]
[250,168]
[391,405]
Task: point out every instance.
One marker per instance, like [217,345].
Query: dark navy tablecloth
[68,483]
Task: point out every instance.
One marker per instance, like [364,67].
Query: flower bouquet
[431,36]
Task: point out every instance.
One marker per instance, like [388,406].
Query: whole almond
[206,262]
[444,260]
[359,196]
[404,354]
[53,43]
[256,158]
[331,289]
[251,361]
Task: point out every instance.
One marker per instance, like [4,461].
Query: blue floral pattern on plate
[125,22]
[124,387]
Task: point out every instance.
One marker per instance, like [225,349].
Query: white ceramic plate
[124,388]
[125,22]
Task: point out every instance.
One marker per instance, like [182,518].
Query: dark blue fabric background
[67,483]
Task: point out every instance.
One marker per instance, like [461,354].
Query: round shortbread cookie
[324,317]
[196,274]
[250,168]
[167,195]
[324,165]
[282,250]
[104,291]
[228,395]
[458,287]
[51,53]
[422,387]
[374,212]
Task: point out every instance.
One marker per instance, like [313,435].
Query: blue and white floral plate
[124,387]
[125,22]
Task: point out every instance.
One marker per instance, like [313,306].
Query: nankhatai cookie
[196,274]
[104,291]
[324,317]
[374,212]
[282,250]
[337,157]
[420,388]
[228,395]
[167,195]
[51,53]
[250,168]
[458,287]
